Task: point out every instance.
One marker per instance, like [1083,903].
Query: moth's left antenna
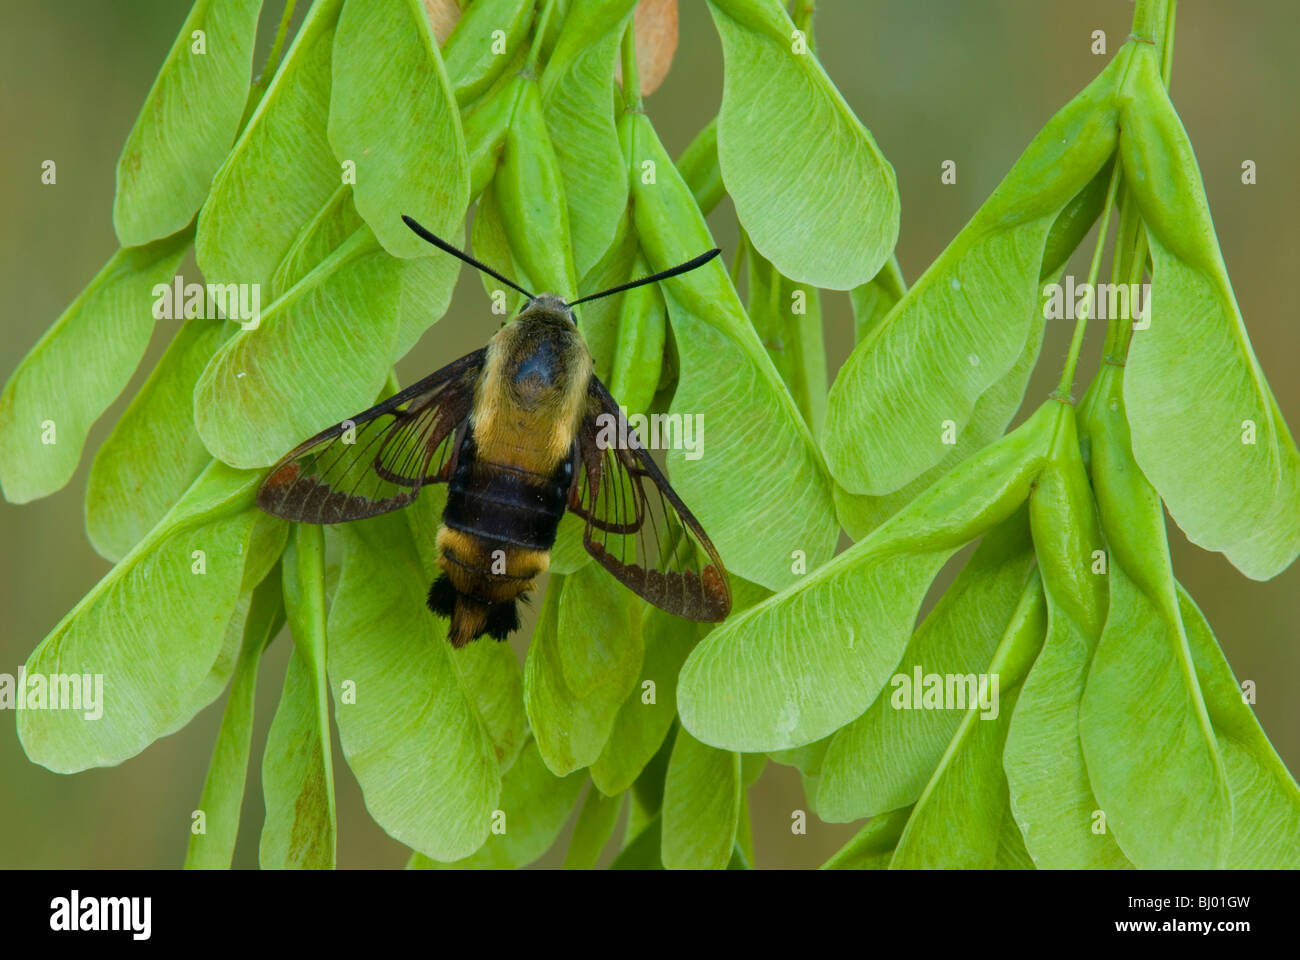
[446,247]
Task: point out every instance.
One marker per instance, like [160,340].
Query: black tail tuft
[442,597]
[502,620]
[471,618]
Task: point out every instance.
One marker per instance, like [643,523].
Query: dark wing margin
[637,527]
[378,460]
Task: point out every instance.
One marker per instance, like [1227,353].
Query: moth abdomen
[524,519]
[517,507]
[497,530]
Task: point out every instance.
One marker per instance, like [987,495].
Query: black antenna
[446,247]
[699,261]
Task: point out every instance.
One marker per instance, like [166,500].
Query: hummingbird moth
[513,430]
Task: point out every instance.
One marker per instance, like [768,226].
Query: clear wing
[378,460]
[637,527]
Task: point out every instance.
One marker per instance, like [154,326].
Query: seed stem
[539,34]
[277,47]
[1136,268]
[259,86]
[1125,237]
[1151,20]
[1094,269]
[802,15]
[631,78]
[1167,47]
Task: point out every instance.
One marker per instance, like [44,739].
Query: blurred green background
[964,80]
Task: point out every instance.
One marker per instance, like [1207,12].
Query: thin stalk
[535,51]
[277,47]
[1167,47]
[1137,267]
[631,78]
[259,86]
[1151,19]
[1125,238]
[1094,269]
[742,245]
[802,15]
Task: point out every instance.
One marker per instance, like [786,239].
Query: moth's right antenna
[691,264]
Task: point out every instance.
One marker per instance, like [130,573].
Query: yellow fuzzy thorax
[530,426]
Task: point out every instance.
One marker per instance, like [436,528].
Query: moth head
[549,303]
